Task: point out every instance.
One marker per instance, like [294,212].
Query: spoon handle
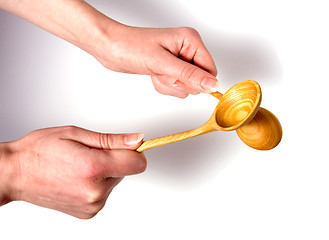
[156,142]
[217,95]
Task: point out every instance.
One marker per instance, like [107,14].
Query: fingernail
[210,85]
[133,139]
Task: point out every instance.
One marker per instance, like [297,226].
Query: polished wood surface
[156,142]
[238,105]
[263,132]
[236,108]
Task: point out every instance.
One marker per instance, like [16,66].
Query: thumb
[189,74]
[106,141]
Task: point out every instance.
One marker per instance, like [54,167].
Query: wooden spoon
[237,107]
[263,132]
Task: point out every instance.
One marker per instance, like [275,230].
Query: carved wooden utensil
[263,132]
[236,107]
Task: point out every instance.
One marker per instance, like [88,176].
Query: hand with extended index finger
[176,58]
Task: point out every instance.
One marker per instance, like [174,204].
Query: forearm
[6,174]
[169,55]
[72,20]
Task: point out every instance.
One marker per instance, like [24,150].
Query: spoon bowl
[235,109]
[263,132]
[238,105]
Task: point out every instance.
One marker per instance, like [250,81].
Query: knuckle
[129,166]
[142,164]
[182,95]
[187,72]
[159,87]
[70,130]
[93,195]
[105,141]
[86,216]
[188,31]
[94,208]
[90,169]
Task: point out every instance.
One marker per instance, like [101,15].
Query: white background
[209,187]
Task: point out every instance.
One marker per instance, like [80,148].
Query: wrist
[93,32]
[8,173]
[103,45]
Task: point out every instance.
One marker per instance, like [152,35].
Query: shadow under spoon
[236,108]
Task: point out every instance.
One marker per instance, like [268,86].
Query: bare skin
[73,170]
[68,169]
[165,54]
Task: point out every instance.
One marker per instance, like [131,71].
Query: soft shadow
[243,57]
[189,162]
[237,56]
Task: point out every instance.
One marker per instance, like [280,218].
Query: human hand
[70,169]
[176,58]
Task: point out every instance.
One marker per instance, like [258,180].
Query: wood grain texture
[236,108]
[264,132]
[238,105]
[156,142]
